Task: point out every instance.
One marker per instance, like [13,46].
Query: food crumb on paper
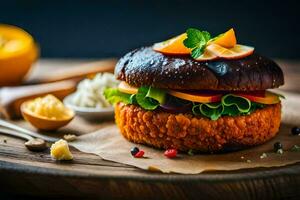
[60,150]
[264,155]
[70,137]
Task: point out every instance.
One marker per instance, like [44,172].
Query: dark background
[111,28]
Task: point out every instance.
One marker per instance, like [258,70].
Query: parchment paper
[108,143]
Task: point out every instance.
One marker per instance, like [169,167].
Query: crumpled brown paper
[108,143]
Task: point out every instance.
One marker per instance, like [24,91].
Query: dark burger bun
[147,67]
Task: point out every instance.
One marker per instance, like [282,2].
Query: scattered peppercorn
[277,146]
[295,130]
[5,141]
[139,154]
[134,151]
[171,153]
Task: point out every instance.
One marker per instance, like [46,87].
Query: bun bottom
[185,131]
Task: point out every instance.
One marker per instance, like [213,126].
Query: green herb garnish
[196,40]
[295,148]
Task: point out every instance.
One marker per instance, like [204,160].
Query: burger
[197,92]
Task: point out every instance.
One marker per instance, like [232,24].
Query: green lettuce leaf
[196,109]
[212,110]
[150,98]
[147,97]
[231,111]
[157,94]
[242,104]
[133,99]
[113,96]
[231,105]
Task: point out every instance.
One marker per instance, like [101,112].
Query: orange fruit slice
[227,39]
[200,98]
[206,56]
[238,51]
[173,46]
[126,88]
[18,51]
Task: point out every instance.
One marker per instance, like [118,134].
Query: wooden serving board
[36,174]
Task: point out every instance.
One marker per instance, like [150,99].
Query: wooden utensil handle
[11,98]
[77,73]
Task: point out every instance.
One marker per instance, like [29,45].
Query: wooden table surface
[36,174]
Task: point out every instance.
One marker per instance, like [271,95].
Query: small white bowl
[87,112]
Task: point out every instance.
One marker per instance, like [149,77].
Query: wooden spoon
[11,98]
[32,144]
[76,73]
[19,129]
[62,83]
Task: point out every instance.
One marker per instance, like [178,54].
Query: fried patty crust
[185,131]
[144,66]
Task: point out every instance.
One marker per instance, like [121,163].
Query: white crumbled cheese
[90,91]
[264,155]
[279,151]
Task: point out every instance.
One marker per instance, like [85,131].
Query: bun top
[147,67]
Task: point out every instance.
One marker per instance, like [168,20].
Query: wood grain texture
[36,174]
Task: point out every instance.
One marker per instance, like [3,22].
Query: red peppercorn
[171,153]
[139,154]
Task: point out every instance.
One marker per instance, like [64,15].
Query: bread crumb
[70,137]
[60,150]
[264,155]
[279,151]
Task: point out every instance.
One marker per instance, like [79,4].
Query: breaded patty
[186,131]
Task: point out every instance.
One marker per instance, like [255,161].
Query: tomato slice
[268,98]
[126,88]
[256,93]
[196,97]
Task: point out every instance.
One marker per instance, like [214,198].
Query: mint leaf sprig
[197,41]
